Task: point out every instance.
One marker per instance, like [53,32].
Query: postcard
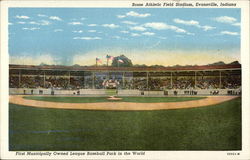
[125,80]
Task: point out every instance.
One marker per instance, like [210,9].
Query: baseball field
[213,127]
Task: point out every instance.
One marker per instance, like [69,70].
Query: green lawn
[111,92]
[104,99]
[216,127]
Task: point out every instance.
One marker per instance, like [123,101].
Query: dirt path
[212,100]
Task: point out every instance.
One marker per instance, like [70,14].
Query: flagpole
[96,62]
[107,60]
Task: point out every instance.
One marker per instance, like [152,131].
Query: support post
[84,80]
[69,79]
[44,79]
[133,83]
[195,82]
[147,81]
[171,80]
[19,79]
[123,79]
[93,80]
[220,81]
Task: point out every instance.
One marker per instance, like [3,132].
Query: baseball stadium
[98,78]
[125,108]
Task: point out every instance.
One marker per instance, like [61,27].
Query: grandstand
[162,81]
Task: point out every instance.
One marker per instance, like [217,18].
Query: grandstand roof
[129,69]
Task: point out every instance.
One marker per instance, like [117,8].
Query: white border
[244,154]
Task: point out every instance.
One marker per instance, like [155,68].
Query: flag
[109,57]
[98,60]
[121,61]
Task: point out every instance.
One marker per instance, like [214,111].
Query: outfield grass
[216,127]
[104,99]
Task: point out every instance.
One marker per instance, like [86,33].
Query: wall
[42,91]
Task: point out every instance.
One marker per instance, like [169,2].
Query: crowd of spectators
[141,83]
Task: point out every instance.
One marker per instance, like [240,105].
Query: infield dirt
[211,100]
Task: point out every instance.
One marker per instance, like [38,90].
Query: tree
[235,63]
[124,61]
[217,63]
[43,64]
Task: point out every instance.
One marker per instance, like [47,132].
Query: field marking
[129,106]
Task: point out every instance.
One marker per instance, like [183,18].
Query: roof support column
[123,79]
[147,80]
[195,81]
[133,83]
[93,80]
[44,79]
[19,79]
[220,80]
[69,80]
[171,80]
[84,80]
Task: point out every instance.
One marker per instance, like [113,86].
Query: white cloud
[181,36]
[10,23]
[22,17]
[92,25]
[116,37]
[32,22]
[75,23]
[55,18]
[41,15]
[83,18]
[42,22]
[164,26]
[21,22]
[236,24]
[135,14]
[135,35]
[189,23]
[31,29]
[124,32]
[121,16]
[112,26]
[148,33]
[229,33]
[33,60]
[162,37]
[206,28]
[80,31]
[225,19]
[138,28]
[92,31]
[58,30]
[157,25]
[193,23]
[129,22]
[154,45]
[88,38]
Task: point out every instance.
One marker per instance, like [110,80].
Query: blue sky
[165,36]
